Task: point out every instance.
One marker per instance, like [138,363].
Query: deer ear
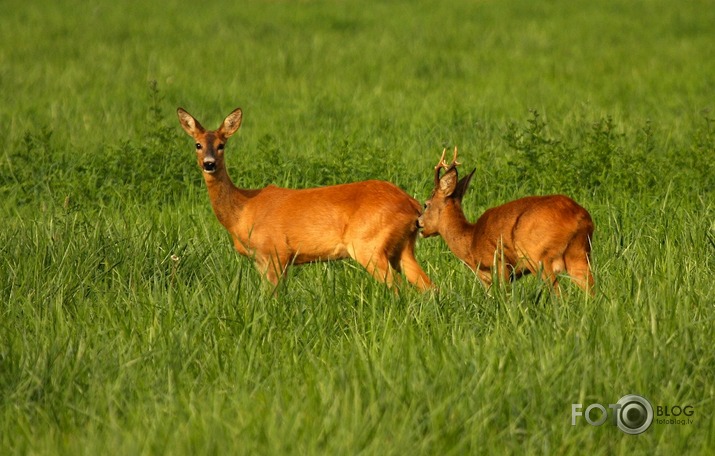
[231,123]
[188,123]
[448,182]
[463,184]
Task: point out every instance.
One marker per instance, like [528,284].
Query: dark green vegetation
[128,325]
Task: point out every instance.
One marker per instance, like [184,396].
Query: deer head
[210,144]
[448,192]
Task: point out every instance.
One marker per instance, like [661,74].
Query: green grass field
[128,325]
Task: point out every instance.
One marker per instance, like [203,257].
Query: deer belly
[308,253]
[291,243]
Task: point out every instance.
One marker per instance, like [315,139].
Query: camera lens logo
[635,414]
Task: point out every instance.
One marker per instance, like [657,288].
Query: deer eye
[220,147]
[198,146]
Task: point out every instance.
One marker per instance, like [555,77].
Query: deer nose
[420,223]
[209,165]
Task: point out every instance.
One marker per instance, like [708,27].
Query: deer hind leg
[577,259]
[375,261]
[271,267]
[486,276]
[547,264]
[408,263]
[551,270]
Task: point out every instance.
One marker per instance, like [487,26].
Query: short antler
[454,158]
[442,164]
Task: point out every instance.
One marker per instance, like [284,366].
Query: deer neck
[227,200]
[457,232]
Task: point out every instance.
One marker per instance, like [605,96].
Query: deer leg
[550,271]
[414,273]
[581,275]
[576,259]
[578,268]
[547,263]
[485,275]
[375,262]
[271,267]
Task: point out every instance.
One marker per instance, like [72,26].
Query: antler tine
[454,159]
[441,163]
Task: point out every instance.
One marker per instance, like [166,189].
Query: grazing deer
[546,234]
[374,222]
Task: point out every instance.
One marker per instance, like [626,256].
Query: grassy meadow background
[129,326]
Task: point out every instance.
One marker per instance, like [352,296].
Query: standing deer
[546,234]
[374,222]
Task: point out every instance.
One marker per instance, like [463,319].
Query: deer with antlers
[374,222]
[549,235]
